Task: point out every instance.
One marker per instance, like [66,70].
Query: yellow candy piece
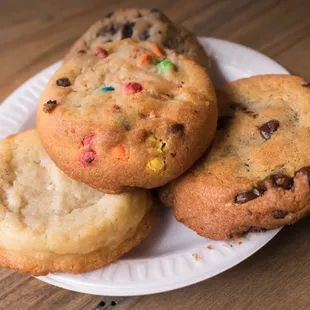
[157,144]
[156,164]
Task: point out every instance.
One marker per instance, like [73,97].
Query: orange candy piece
[157,50]
[119,152]
[144,59]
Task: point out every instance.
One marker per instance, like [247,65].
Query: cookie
[256,175]
[137,117]
[50,223]
[140,24]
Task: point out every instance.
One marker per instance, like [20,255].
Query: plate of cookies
[148,159]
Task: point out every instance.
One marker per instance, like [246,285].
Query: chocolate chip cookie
[51,223]
[133,115]
[257,174]
[140,24]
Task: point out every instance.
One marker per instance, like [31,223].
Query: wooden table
[36,33]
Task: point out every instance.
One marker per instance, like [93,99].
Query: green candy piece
[165,65]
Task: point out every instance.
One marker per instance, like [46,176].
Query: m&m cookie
[139,24]
[137,117]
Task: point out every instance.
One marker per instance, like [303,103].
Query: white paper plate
[173,256]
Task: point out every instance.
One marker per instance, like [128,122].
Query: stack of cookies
[132,109]
[126,112]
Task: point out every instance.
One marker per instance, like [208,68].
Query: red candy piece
[101,53]
[88,140]
[132,88]
[88,158]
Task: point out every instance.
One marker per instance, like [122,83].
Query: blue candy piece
[107,88]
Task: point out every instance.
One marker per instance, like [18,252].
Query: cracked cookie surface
[133,115]
[256,175]
[140,24]
[51,223]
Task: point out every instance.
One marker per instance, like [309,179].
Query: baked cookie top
[140,24]
[258,170]
[132,115]
[49,222]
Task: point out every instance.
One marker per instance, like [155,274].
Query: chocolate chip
[127,30]
[255,229]
[109,14]
[106,29]
[259,190]
[245,197]
[173,154]
[305,171]
[307,85]
[155,10]
[282,181]
[49,106]
[223,121]
[82,51]
[267,129]
[279,214]
[139,15]
[63,82]
[251,194]
[144,35]
[176,128]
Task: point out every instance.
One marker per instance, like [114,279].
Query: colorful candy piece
[144,60]
[166,65]
[101,53]
[132,88]
[156,164]
[107,88]
[87,141]
[88,157]
[156,143]
[119,152]
[157,50]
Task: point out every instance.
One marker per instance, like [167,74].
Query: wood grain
[35,34]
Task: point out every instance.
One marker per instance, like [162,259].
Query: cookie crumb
[210,247]
[196,256]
